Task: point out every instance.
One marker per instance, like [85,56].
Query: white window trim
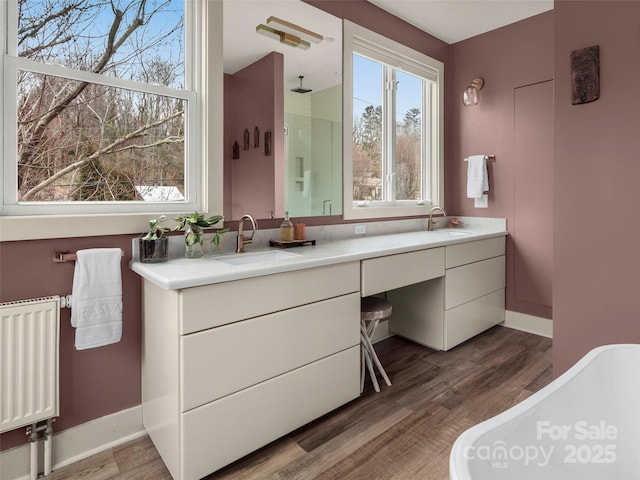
[61,208]
[209,178]
[355,40]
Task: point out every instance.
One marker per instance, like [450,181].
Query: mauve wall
[507,59]
[94,382]
[597,179]
[254,97]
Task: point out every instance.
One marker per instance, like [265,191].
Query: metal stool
[372,310]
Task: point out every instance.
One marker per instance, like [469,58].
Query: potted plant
[194,226]
[154,246]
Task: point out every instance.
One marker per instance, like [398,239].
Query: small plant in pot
[154,246]
[194,226]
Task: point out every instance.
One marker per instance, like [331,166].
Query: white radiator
[29,335]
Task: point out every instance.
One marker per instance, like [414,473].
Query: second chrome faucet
[242,239]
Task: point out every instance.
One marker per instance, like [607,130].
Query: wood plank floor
[403,432]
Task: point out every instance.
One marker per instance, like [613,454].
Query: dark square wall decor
[585,75]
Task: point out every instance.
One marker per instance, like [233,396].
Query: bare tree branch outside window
[80,141]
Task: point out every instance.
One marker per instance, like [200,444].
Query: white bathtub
[585,425]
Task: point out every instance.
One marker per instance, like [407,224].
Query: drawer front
[223,360]
[223,431]
[466,283]
[394,271]
[213,305]
[465,321]
[463,253]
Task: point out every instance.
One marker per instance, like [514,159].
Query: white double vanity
[237,353]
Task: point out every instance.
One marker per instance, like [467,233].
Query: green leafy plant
[154,246]
[156,230]
[195,223]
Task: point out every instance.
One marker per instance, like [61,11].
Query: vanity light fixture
[294,29]
[471,95]
[283,37]
[288,33]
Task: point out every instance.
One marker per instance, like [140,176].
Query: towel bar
[62,257]
[490,158]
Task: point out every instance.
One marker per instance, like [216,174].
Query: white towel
[477,176]
[96,302]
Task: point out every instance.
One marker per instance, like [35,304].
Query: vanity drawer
[464,253]
[465,321]
[466,283]
[394,271]
[223,360]
[223,431]
[218,304]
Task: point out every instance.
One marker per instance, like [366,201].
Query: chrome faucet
[431,223]
[242,241]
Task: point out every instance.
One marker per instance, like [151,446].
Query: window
[101,107]
[393,165]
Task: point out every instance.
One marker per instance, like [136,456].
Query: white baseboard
[77,443]
[529,323]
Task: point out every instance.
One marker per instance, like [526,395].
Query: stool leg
[372,372]
[372,328]
[362,360]
[381,369]
[363,349]
[367,356]
[376,360]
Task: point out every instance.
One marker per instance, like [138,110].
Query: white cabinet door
[469,319]
[223,431]
[464,253]
[224,360]
[466,283]
[214,305]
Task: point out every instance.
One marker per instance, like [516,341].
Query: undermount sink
[258,257]
[452,232]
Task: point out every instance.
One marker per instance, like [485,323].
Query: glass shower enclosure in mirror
[283,133]
[313,149]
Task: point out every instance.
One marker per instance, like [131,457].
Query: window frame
[361,41]
[203,150]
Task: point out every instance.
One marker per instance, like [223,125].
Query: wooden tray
[291,243]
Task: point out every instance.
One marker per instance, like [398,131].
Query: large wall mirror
[282,133]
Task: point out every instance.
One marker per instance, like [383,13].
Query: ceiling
[321,65]
[448,20]
[456,20]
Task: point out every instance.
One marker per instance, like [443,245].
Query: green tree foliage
[409,156]
[368,155]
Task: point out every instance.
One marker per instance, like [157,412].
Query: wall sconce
[289,33]
[471,94]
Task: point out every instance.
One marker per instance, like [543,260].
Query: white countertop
[179,273]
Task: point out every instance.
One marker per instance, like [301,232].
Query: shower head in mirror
[301,89]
